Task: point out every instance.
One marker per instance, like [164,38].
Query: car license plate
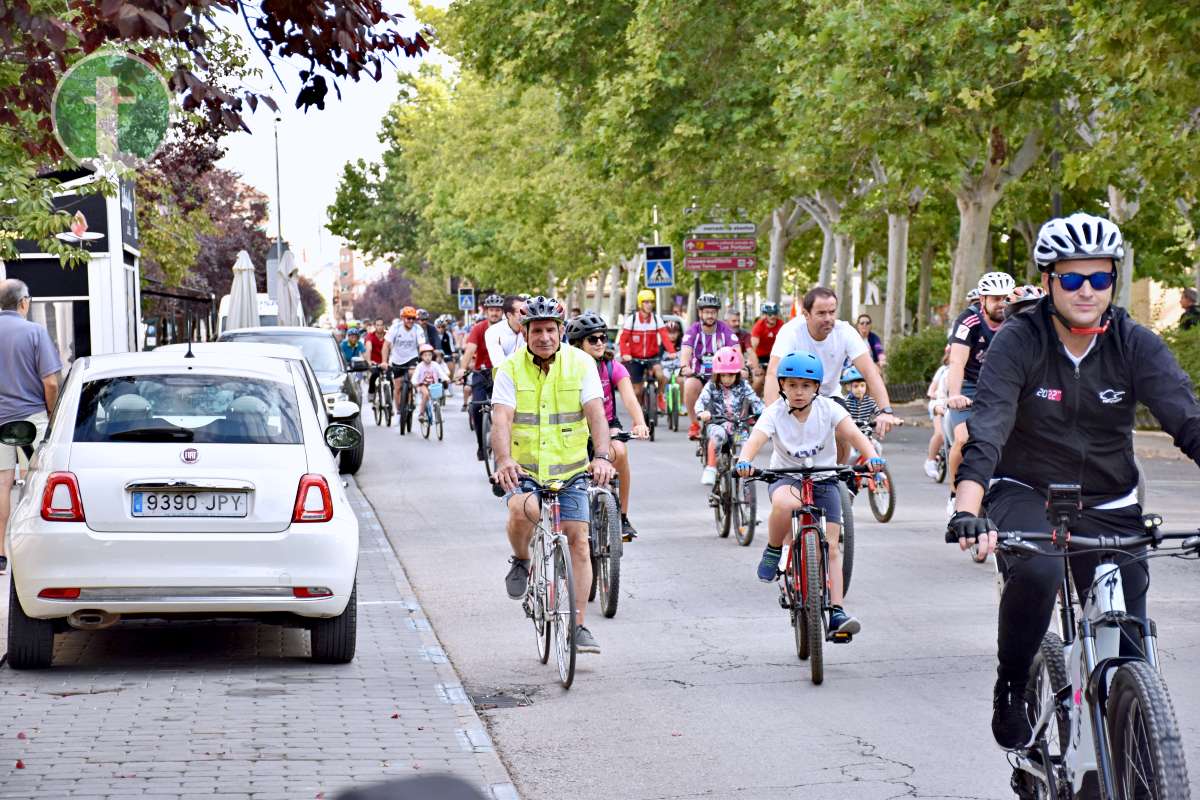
[190,504]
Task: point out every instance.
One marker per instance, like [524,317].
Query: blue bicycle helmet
[852,374]
[770,308]
[801,365]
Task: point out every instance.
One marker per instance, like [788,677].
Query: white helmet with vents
[1077,237]
[996,284]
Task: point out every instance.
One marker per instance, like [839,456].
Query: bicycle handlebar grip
[497,489]
[951,537]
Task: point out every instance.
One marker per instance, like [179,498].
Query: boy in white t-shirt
[804,429]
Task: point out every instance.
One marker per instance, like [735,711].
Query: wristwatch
[605,456]
[886,410]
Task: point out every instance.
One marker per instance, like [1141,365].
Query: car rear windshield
[320,350]
[212,409]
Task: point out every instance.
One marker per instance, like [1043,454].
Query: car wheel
[332,640]
[30,641]
[350,460]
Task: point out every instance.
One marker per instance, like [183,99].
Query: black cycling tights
[481,392]
[1032,582]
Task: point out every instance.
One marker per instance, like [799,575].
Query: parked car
[169,485]
[339,411]
[333,373]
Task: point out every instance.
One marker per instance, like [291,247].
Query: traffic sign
[725,228]
[660,266]
[720,245]
[466,299]
[719,263]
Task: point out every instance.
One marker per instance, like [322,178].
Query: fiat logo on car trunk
[190,456]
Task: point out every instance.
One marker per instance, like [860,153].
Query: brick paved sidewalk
[235,710]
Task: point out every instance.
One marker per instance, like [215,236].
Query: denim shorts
[957,416]
[825,496]
[572,502]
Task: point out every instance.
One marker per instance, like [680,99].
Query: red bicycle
[881,491]
[804,590]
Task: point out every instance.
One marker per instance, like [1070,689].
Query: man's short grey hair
[12,292]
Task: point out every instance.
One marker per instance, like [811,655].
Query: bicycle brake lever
[1018,547]
[1191,545]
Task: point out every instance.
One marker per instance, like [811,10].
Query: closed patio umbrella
[243,295]
[289,307]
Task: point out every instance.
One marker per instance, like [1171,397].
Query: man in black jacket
[1055,404]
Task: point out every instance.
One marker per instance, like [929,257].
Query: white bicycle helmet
[972,295]
[1076,237]
[996,284]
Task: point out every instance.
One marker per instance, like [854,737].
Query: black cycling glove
[965,525]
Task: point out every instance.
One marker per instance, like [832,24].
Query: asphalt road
[698,692]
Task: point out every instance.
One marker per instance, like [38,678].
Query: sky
[313,146]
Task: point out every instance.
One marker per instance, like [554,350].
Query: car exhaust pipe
[89,620]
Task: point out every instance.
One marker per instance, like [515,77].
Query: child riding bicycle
[804,429]
[428,372]
[724,397]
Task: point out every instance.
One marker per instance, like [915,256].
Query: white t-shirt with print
[794,441]
[843,343]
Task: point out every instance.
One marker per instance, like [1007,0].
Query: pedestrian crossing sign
[660,267]
[466,299]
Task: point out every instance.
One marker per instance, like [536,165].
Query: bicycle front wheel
[672,407]
[847,537]
[485,429]
[606,526]
[650,409]
[437,419]
[814,613]
[883,496]
[377,407]
[563,613]
[745,510]
[540,599]
[1143,737]
[721,511]
[426,420]
[1047,677]
[793,592]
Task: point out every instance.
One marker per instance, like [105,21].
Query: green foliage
[1186,347]
[915,358]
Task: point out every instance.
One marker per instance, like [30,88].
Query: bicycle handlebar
[539,488]
[1021,542]
[842,470]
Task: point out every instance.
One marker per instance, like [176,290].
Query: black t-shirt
[972,329]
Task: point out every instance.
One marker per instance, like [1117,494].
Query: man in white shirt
[503,339]
[834,341]
[401,348]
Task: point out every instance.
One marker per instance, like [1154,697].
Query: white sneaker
[709,476]
[931,469]
[950,508]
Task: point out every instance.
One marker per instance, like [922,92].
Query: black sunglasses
[596,338]
[1073,281]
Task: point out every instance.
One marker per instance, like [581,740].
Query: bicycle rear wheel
[387,403]
[1047,677]
[650,407]
[941,466]
[793,592]
[1143,736]
[426,420]
[814,616]
[846,540]
[437,419]
[485,425]
[883,497]
[540,597]
[722,510]
[606,525]
[672,407]
[563,613]
[405,404]
[745,510]
[377,408]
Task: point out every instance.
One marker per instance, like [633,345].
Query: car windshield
[320,349]
[207,409]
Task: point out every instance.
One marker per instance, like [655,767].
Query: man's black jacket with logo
[1039,419]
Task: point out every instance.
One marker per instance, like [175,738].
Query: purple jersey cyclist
[700,343]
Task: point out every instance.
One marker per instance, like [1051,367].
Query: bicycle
[733,499]
[550,596]
[485,425]
[649,396]
[381,404]
[672,393]
[881,491]
[605,540]
[407,404]
[804,592]
[1103,725]
[431,416]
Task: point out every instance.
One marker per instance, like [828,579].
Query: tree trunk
[1028,233]
[614,293]
[779,242]
[844,247]
[868,270]
[634,266]
[974,217]
[1120,211]
[897,278]
[598,298]
[925,285]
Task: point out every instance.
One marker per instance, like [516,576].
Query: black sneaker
[1010,718]
[518,577]
[628,532]
[585,642]
[479,454]
[841,622]
[3,564]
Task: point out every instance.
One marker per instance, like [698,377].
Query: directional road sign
[719,263]
[660,266]
[720,245]
[466,299]
[725,228]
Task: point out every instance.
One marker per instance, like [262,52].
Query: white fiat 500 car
[196,485]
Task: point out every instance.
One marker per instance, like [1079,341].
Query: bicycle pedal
[839,638]
[783,602]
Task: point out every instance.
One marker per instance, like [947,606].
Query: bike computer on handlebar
[1063,503]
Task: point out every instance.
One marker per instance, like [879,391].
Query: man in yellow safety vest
[542,397]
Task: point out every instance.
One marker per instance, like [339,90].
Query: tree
[311,300]
[384,298]
[238,213]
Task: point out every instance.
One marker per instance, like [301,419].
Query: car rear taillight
[60,499]
[59,594]
[313,501]
[311,592]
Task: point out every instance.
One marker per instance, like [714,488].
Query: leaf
[155,21]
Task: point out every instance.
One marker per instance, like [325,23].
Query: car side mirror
[342,437]
[18,433]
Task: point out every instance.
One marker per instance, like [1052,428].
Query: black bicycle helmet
[708,300]
[584,325]
[493,301]
[542,308]
[422,315]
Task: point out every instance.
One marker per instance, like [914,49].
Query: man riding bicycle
[476,366]
[1055,403]
[542,396]
[352,346]
[643,338]
[400,349]
[505,338]
[762,339]
[374,342]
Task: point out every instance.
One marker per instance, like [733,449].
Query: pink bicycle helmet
[727,361]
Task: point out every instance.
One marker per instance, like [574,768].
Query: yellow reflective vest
[549,432]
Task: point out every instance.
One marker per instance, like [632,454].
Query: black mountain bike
[650,392]
[605,540]
[381,405]
[734,499]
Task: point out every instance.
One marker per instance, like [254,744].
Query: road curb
[471,731]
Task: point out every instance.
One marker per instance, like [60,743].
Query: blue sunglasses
[1073,281]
